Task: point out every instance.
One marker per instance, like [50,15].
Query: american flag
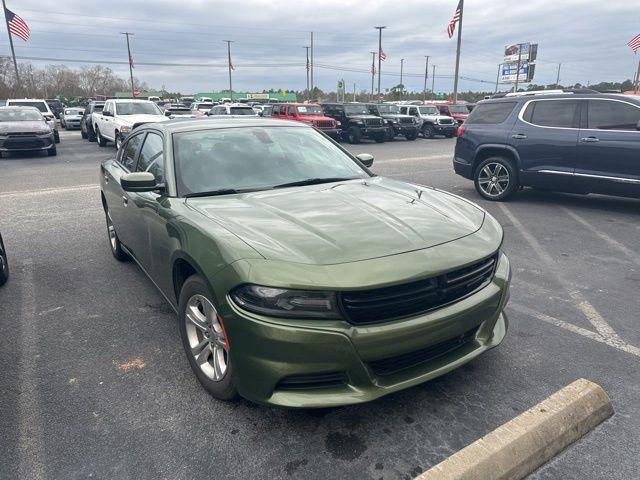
[17,25]
[456,18]
[634,43]
[383,56]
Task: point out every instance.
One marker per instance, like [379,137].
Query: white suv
[41,105]
[232,109]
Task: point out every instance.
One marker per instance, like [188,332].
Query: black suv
[55,106]
[567,142]
[356,122]
[396,122]
[86,126]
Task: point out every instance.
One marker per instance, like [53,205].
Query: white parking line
[604,330]
[633,256]
[30,429]
[46,191]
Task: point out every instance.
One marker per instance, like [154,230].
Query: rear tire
[83,134]
[56,136]
[411,136]
[496,179]
[114,242]
[4,265]
[200,324]
[389,134]
[118,142]
[100,139]
[428,131]
[354,135]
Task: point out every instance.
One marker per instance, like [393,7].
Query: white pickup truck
[120,116]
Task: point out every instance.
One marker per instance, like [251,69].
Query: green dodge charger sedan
[299,277]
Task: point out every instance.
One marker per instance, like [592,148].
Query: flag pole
[308,95]
[426,74]
[637,84]
[455,80]
[373,73]
[13,52]
[379,59]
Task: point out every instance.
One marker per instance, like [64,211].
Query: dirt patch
[126,366]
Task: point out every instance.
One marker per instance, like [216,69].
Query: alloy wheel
[112,233]
[493,179]
[206,337]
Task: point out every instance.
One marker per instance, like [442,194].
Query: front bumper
[448,129]
[72,123]
[26,143]
[267,352]
[405,129]
[371,132]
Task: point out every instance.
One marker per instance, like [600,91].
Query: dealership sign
[524,54]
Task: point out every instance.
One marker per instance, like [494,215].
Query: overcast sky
[588,36]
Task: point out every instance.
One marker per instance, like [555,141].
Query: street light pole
[379,59]
[497,78]
[229,42]
[311,67]
[558,76]
[130,62]
[433,82]
[426,74]
[401,84]
[307,67]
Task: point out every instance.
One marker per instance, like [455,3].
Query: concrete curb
[520,446]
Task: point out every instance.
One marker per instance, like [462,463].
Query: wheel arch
[505,151]
[184,266]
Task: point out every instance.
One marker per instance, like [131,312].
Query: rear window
[552,113]
[25,103]
[490,113]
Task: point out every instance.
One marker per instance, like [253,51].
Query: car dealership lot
[95,382]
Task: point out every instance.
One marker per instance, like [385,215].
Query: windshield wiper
[313,181]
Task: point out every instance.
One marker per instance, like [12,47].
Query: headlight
[280,302]
[125,129]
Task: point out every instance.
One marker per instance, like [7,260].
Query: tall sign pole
[373,73]
[455,80]
[518,67]
[229,42]
[426,74]
[126,34]
[433,82]
[13,52]
[311,67]
[401,84]
[497,78]
[558,76]
[379,54]
[308,91]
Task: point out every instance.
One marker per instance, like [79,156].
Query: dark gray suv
[570,142]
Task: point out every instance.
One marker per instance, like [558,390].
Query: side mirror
[107,114]
[139,182]
[167,113]
[366,159]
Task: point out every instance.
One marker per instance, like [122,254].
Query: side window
[413,111]
[490,113]
[292,111]
[128,157]
[444,110]
[610,115]
[151,158]
[554,113]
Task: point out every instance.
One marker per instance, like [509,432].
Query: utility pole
[426,74]
[311,68]
[229,42]
[401,84]
[558,76]
[308,91]
[13,52]
[433,82]
[126,34]
[354,91]
[379,59]
[373,73]
[497,78]
[455,80]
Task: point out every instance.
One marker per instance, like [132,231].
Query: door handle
[519,136]
[590,139]
[125,200]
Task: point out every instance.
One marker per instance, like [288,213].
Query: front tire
[118,142]
[428,131]
[114,242]
[100,139]
[4,265]
[205,340]
[56,136]
[496,179]
[411,136]
[52,152]
[354,135]
[83,134]
[389,134]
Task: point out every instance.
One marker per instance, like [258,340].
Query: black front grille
[324,124]
[391,365]
[312,381]
[446,121]
[373,122]
[406,120]
[382,304]
[21,134]
[24,143]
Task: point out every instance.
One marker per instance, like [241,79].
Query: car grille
[312,381]
[24,143]
[446,121]
[391,365]
[406,120]
[373,122]
[324,124]
[21,134]
[383,304]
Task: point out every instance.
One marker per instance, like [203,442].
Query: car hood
[35,126]
[344,221]
[358,117]
[143,118]
[395,116]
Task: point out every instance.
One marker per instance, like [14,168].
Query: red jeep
[458,111]
[310,113]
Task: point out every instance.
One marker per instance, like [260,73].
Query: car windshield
[137,108]
[356,110]
[39,105]
[20,115]
[179,110]
[241,111]
[309,110]
[204,106]
[429,110]
[459,109]
[98,108]
[388,109]
[257,158]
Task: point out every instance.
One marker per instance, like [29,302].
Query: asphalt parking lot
[95,382]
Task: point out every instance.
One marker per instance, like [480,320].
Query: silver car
[24,129]
[70,117]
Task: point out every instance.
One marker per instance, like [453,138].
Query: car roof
[575,96]
[129,100]
[13,107]
[216,123]
[26,100]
